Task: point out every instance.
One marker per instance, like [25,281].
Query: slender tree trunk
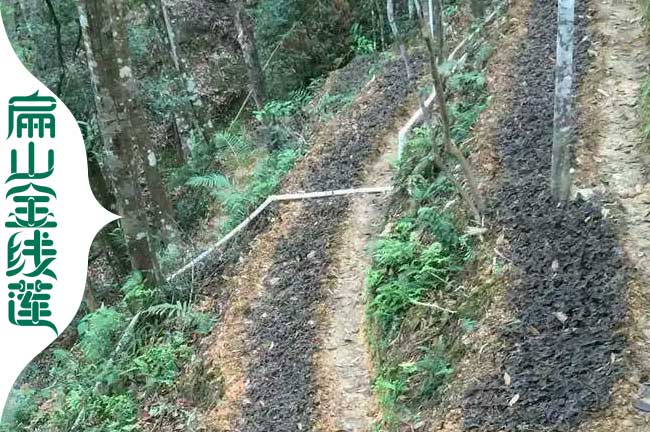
[115,255]
[449,145]
[89,296]
[121,122]
[246,38]
[473,198]
[165,219]
[380,15]
[59,45]
[190,115]
[435,22]
[390,12]
[182,115]
[563,111]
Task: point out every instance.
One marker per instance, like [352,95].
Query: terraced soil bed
[568,290]
[282,328]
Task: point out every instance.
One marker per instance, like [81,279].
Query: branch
[59,44]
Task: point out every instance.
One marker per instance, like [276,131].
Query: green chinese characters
[31,252]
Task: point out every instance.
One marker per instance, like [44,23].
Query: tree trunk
[563,111]
[89,296]
[59,46]
[434,29]
[390,13]
[165,219]
[475,203]
[437,27]
[192,114]
[115,255]
[120,120]
[246,38]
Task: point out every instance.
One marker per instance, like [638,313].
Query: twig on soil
[433,306]
[496,251]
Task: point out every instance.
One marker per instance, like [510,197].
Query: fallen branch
[432,306]
[271,199]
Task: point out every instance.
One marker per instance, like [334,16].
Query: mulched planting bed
[568,288]
[282,325]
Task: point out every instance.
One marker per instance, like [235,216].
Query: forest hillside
[346,215]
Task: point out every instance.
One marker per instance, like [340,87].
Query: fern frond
[232,140]
[209,181]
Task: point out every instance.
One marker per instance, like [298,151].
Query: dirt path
[345,398]
[616,157]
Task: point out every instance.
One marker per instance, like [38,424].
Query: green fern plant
[137,294]
[234,141]
[180,314]
[361,44]
[98,332]
[159,365]
[209,181]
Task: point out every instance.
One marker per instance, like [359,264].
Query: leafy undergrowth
[254,163]
[132,365]
[422,299]
[126,356]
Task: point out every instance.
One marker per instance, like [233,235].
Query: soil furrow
[281,336]
[563,349]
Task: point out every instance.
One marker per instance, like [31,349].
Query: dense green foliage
[342,29]
[121,358]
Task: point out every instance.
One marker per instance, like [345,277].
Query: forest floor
[566,341]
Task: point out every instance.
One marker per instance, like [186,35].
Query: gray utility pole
[563,113]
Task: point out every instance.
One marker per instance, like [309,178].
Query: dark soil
[567,292]
[354,75]
[282,327]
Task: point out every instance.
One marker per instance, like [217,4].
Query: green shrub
[19,411]
[137,295]
[159,365]
[405,269]
[115,413]
[361,44]
[98,333]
